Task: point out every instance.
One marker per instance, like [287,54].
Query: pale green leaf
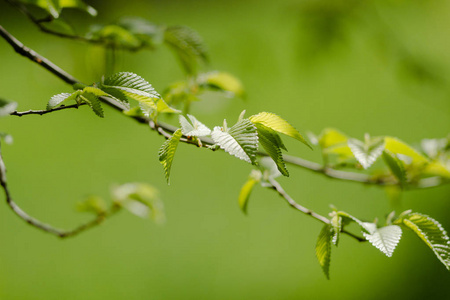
[244,194]
[141,200]
[92,204]
[385,238]
[59,99]
[241,140]
[331,137]
[54,7]
[323,249]
[187,45]
[336,225]
[7,107]
[366,152]
[272,143]
[194,127]
[396,166]
[396,146]
[114,36]
[133,86]
[167,153]
[278,124]
[222,81]
[93,102]
[432,233]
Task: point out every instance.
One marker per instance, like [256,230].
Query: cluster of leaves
[55,7]
[186,91]
[135,34]
[385,238]
[140,199]
[405,166]
[239,140]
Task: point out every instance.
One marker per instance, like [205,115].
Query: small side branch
[41,225]
[43,112]
[279,189]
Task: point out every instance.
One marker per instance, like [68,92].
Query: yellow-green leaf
[167,153]
[277,123]
[323,249]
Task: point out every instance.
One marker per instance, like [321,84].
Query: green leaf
[276,123]
[224,82]
[272,143]
[336,225]
[147,32]
[385,238]
[167,153]
[431,232]
[187,45]
[92,204]
[241,140]
[396,146]
[94,103]
[244,194]
[368,152]
[54,7]
[396,166]
[133,86]
[194,127]
[7,107]
[114,36]
[323,249]
[59,99]
[331,137]
[141,200]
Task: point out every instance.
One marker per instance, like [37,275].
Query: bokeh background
[380,68]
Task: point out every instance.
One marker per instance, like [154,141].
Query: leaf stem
[274,185]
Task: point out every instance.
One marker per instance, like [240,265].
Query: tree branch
[274,185]
[43,226]
[167,130]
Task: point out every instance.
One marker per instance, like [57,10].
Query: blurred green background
[348,74]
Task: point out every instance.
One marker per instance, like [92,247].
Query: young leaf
[241,140]
[59,99]
[114,36]
[222,81]
[396,166]
[398,147]
[385,238]
[323,249]
[54,7]
[366,153]
[276,123]
[331,137]
[244,194]
[193,128]
[272,143]
[140,199]
[336,225]
[188,45]
[92,204]
[7,107]
[431,232]
[132,86]
[93,102]
[167,153]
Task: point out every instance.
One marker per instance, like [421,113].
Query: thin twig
[279,189]
[43,226]
[167,130]
[43,112]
